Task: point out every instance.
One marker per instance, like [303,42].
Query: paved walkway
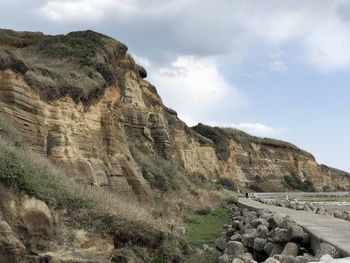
[326,228]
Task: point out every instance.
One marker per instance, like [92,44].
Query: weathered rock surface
[10,247]
[89,134]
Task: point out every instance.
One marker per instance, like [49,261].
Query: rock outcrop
[81,112]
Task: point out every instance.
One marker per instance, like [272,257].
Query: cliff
[79,97]
[80,102]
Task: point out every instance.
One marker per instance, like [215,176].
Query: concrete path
[325,228]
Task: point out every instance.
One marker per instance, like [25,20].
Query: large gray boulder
[235,248]
[262,231]
[249,237]
[268,248]
[224,258]
[259,221]
[297,234]
[220,244]
[247,257]
[271,260]
[236,237]
[275,220]
[290,249]
[337,214]
[259,244]
[326,249]
[279,235]
[277,249]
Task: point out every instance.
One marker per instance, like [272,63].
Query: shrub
[295,183]
[227,183]
[218,136]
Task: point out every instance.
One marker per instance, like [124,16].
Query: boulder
[337,214]
[325,249]
[279,235]
[259,221]
[262,231]
[224,258]
[301,259]
[11,248]
[220,244]
[271,260]
[268,248]
[275,220]
[290,249]
[36,217]
[249,237]
[277,249]
[297,234]
[236,237]
[235,248]
[247,257]
[321,211]
[259,244]
[287,259]
[287,223]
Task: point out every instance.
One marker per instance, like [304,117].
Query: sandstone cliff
[80,98]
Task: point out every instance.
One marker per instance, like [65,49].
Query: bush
[218,136]
[227,183]
[295,183]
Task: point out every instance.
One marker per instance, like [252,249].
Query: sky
[272,68]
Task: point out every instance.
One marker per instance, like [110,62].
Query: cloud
[196,89]
[257,129]
[166,29]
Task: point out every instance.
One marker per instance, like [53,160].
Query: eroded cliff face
[91,137]
[90,142]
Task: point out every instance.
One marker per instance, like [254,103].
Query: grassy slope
[205,229]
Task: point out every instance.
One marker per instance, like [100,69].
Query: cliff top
[221,137]
[79,64]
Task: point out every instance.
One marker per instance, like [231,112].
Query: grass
[80,64]
[205,229]
[161,174]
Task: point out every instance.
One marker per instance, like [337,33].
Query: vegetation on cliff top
[80,64]
[222,136]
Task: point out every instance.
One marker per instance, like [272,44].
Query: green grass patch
[205,229]
[19,171]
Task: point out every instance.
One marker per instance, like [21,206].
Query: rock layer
[91,138]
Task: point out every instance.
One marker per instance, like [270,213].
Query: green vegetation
[218,136]
[295,183]
[160,173]
[80,64]
[227,183]
[17,170]
[204,229]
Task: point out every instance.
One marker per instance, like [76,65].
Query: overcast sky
[272,68]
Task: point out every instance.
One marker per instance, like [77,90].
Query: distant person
[246,195]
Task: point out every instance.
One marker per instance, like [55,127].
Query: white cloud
[327,46]
[196,89]
[319,27]
[257,129]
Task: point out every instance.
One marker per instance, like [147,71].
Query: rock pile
[260,236]
[306,206]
